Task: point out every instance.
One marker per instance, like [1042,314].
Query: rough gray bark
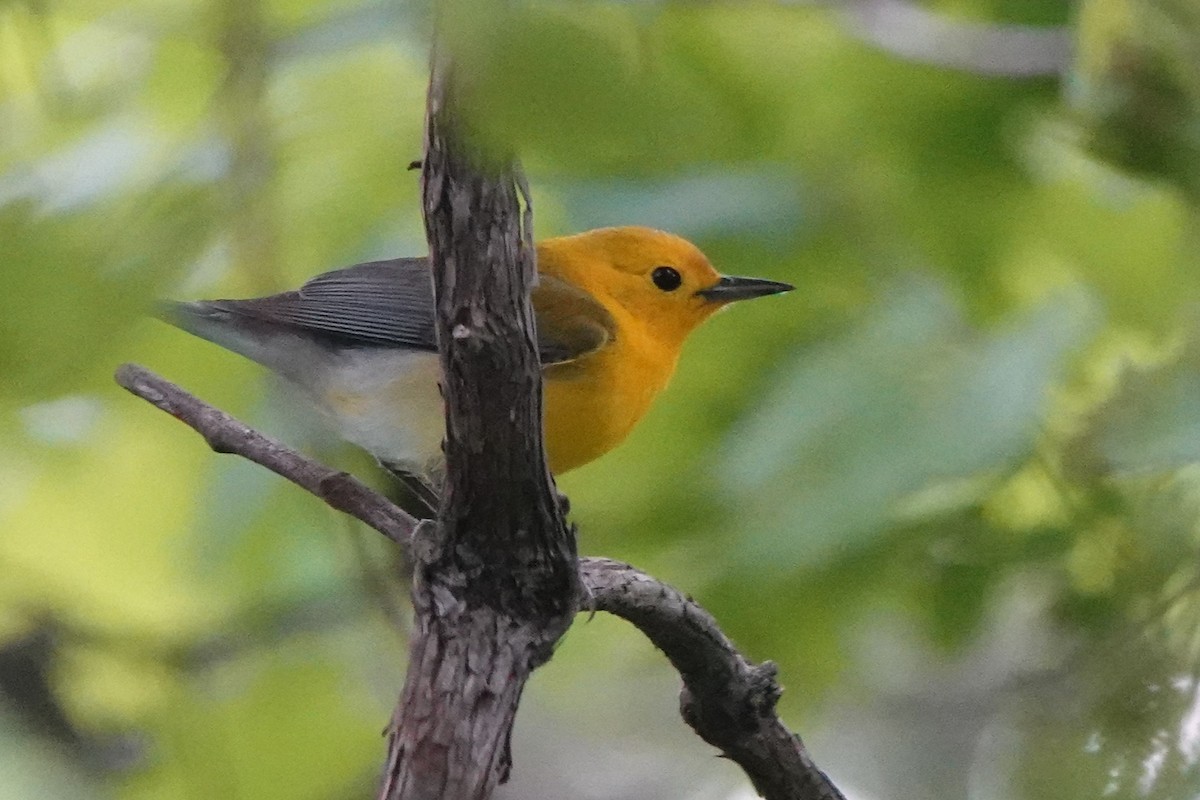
[496,580]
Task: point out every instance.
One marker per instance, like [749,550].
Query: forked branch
[729,701]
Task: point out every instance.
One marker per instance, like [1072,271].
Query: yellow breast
[593,404]
[605,304]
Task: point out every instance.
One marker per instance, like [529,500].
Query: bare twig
[913,32]
[225,434]
[726,699]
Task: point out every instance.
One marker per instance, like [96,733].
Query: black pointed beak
[730,288]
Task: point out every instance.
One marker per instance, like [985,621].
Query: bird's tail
[219,322]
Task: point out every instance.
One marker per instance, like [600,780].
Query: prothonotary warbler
[613,308]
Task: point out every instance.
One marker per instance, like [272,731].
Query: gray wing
[390,304]
[382,303]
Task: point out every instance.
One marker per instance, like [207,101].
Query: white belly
[387,402]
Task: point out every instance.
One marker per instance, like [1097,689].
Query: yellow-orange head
[642,276]
[643,292]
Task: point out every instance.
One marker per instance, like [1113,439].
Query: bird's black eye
[666,278]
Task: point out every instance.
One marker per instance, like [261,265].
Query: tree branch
[912,31]
[224,434]
[728,701]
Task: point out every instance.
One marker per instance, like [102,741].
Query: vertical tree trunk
[496,579]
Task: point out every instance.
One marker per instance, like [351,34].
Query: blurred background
[950,484]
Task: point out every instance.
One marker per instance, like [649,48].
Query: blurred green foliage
[950,484]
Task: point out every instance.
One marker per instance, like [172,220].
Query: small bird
[613,308]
